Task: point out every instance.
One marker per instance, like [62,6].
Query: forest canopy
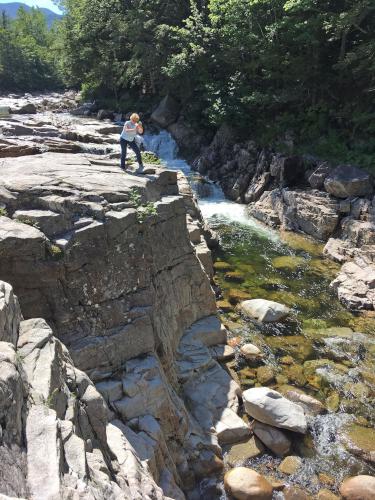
[268,66]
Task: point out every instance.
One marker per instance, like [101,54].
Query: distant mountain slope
[11,9]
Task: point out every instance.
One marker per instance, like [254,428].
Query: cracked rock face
[112,382]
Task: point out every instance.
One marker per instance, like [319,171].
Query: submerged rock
[290,465]
[235,296]
[295,493]
[358,488]
[246,484]
[265,374]
[265,311]
[325,494]
[360,441]
[240,452]
[288,262]
[270,407]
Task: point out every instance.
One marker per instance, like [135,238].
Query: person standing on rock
[131,128]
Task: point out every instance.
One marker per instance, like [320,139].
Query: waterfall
[211,199]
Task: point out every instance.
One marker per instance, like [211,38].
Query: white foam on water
[214,205]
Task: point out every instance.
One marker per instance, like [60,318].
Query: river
[323,349]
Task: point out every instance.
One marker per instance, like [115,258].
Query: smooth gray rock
[270,407]
[276,440]
[231,428]
[348,180]
[43,453]
[263,310]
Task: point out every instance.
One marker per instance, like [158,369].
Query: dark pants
[134,146]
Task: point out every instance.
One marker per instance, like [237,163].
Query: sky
[37,3]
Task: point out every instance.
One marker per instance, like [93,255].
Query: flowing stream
[323,350]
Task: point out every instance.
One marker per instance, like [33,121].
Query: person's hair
[134,117]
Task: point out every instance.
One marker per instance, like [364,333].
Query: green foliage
[3,212]
[26,59]
[135,197]
[50,401]
[55,252]
[144,210]
[25,220]
[264,66]
[149,157]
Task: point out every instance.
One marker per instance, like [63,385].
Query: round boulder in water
[246,484]
[263,310]
[270,407]
[358,488]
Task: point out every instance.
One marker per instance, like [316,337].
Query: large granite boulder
[263,310]
[347,180]
[167,111]
[270,407]
[246,484]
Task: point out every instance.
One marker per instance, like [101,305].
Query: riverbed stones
[359,440]
[276,440]
[325,494]
[235,296]
[270,407]
[240,452]
[265,311]
[246,484]
[360,487]
[348,180]
[251,352]
[288,262]
[296,493]
[290,465]
[265,375]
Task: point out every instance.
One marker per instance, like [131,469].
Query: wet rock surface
[247,484]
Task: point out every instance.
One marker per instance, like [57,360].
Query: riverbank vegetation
[301,68]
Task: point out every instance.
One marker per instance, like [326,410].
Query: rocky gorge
[331,203]
[120,378]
